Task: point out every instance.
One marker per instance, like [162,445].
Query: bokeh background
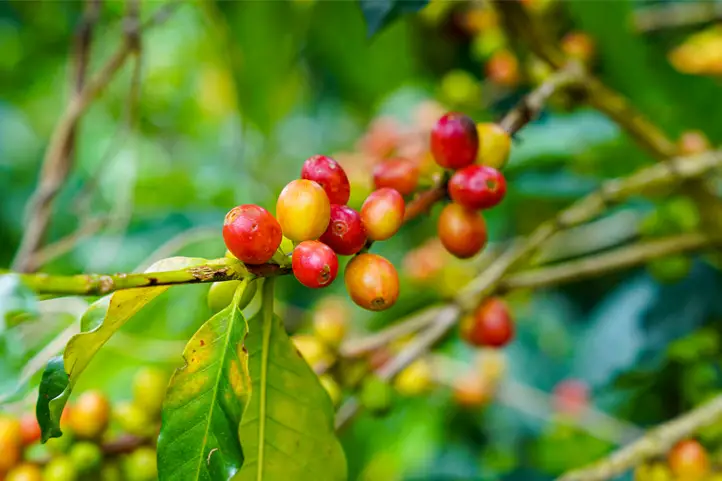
[233,96]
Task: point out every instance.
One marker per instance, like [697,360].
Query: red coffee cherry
[490,325]
[400,174]
[462,231]
[251,234]
[570,397]
[454,141]
[503,69]
[372,282]
[314,264]
[303,210]
[688,460]
[345,233]
[327,173]
[477,187]
[382,213]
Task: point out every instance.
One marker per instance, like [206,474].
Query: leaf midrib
[267,307]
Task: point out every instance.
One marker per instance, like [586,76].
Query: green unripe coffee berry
[376,395]
[133,419]
[149,385]
[62,444]
[141,465]
[110,472]
[221,294]
[60,469]
[670,269]
[86,456]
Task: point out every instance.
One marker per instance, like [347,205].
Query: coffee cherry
[60,468]
[312,350]
[579,46]
[149,385]
[25,472]
[10,442]
[327,173]
[345,234]
[494,145]
[220,295]
[400,174]
[30,429]
[454,141]
[133,419]
[332,388]
[503,69]
[472,391]
[490,324]
[141,465]
[330,320]
[86,456]
[376,395]
[654,471]
[477,187]
[372,282]
[89,417]
[693,142]
[110,472]
[382,213]
[315,264]
[303,210]
[570,397]
[688,460]
[461,231]
[251,234]
[415,379]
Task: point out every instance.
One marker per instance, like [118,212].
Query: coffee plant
[258,392]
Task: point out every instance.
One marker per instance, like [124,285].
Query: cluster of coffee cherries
[100,441]
[688,460]
[313,214]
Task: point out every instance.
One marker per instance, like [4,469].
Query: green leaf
[102,319]
[379,13]
[15,300]
[205,401]
[287,430]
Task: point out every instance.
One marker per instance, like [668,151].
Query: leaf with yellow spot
[205,400]
[287,431]
[102,319]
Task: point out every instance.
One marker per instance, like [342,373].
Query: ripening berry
[382,214]
[490,324]
[579,46]
[327,173]
[141,465]
[503,69]
[251,234]
[25,472]
[220,295]
[332,388]
[60,468]
[376,395]
[477,187]
[345,234]
[89,417]
[494,145]
[688,460]
[462,231]
[472,391]
[330,319]
[372,282]
[10,442]
[570,397]
[311,348]
[654,471]
[417,378]
[693,142]
[30,429]
[400,174]
[303,210]
[315,264]
[86,456]
[149,385]
[133,419]
[454,141]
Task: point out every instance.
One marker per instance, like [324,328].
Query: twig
[55,163]
[674,15]
[614,260]
[655,443]
[64,245]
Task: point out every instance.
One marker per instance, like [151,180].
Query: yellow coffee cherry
[149,385]
[303,210]
[312,349]
[89,417]
[416,379]
[330,320]
[494,145]
[332,388]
